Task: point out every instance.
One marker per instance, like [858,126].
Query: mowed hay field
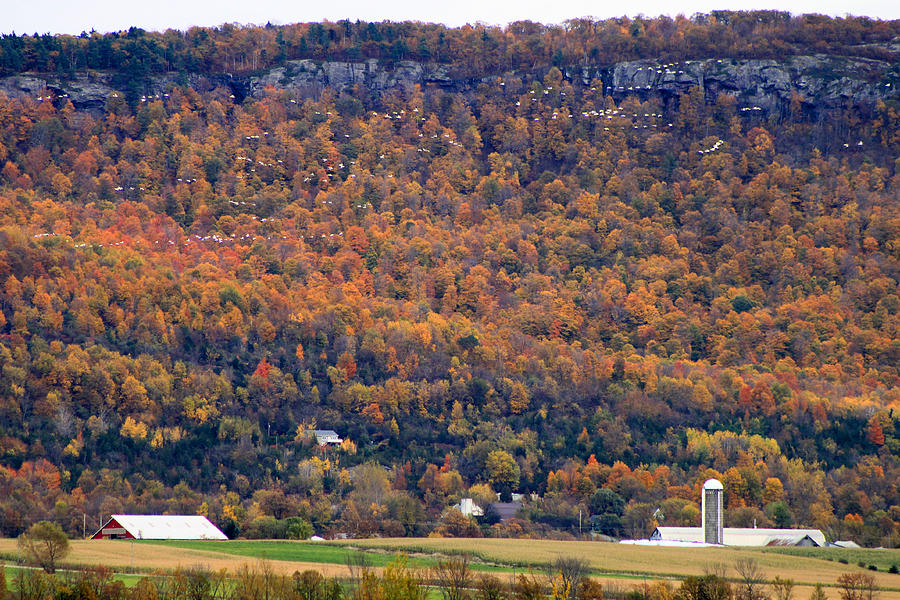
[147,556]
[618,565]
[652,562]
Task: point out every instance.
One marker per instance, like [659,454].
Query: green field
[312,552]
[882,558]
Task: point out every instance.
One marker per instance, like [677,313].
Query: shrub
[491,588]
[856,586]
[270,528]
[707,587]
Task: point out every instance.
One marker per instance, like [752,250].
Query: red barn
[158,527]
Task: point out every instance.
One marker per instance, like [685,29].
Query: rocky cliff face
[309,76]
[817,81]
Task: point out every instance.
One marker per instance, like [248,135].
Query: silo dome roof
[713,484]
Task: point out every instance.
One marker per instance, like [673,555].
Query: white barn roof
[743,536]
[169,527]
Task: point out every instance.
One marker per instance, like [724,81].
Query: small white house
[327,437]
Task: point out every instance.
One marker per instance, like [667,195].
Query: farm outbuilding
[158,527]
[506,510]
[741,536]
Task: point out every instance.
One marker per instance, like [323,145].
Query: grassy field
[616,564]
[129,579]
[882,558]
[297,552]
[643,562]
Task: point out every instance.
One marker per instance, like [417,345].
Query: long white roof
[668,543]
[742,536]
[170,527]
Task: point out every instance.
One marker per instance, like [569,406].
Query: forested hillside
[527,284]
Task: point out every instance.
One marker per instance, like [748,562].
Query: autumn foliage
[524,286]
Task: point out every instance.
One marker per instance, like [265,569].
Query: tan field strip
[651,561]
[122,554]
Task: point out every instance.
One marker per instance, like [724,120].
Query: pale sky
[75,16]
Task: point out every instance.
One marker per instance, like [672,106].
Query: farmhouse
[327,437]
[468,508]
[158,527]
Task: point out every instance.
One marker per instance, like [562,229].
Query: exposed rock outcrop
[311,76]
[819,81]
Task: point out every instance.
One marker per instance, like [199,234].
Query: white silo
[711,512]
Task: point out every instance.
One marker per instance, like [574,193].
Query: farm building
[468,508]
[744,536]
[158,527]
[712,533]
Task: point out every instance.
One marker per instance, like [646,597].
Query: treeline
[453,578]
[525,288]
[472,50]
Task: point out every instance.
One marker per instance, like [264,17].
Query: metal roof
[327,436]
[169,527]
[506,510]
[668,543]
[743,536]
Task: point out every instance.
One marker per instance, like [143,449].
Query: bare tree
[491,588]
[454,577]
[783,588]
[200,583]
[528,587]
[257,583]
[752,580]
[718,569]
[857,586]
[565,574]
